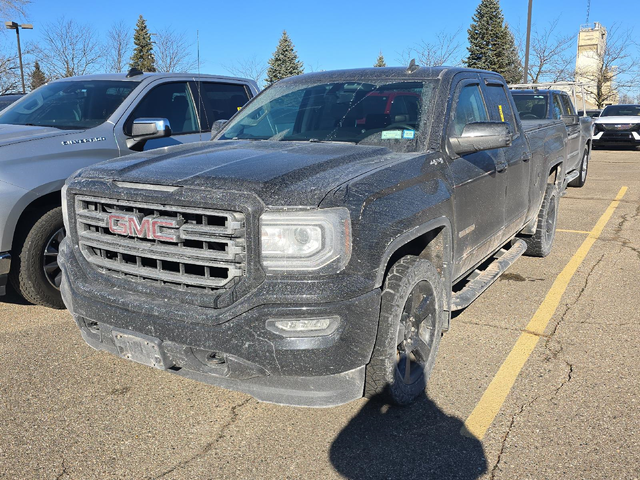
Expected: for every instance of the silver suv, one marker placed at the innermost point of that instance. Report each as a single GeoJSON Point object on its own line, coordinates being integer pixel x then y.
{"type": "Point", "coordinates": [74, 122]}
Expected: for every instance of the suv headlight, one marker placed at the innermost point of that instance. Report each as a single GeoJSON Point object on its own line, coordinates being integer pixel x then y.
{"type": "Point", "coordinates": [300, 241]}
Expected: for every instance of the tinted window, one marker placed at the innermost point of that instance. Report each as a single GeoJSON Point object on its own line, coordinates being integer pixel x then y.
{"type": "Point", "coordinates": [568, 106]}
{"type": "Point", "coordinates": [531, 106]}
{"type": "Point", "coordinates": [69, 104]}
{"type": "Point", "coordinates": [219, 101]}
{"type": "Point", "coordinates": [469, 109]}
{"type": "Point", "coordinates": [499, 105]}
{"type": "Point", "coordinates": [171, 101]}
{"type": "Point", "coordinates": [621, 110]}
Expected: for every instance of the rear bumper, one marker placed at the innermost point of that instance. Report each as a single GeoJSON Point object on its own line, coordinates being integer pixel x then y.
{"type": "Point", "coordinates": [5, 265]}
{"type": "Point", "coordinates": [240, 354]}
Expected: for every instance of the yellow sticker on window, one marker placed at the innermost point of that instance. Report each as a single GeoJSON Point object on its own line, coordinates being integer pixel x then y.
{"type": "Point", "coordinates": [501, 114]}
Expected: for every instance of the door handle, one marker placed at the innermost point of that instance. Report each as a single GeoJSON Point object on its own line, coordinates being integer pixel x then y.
{"type": "Point", "coordinates": [525, 157]}
{"type": "Point", "coordinates": [501, 167]}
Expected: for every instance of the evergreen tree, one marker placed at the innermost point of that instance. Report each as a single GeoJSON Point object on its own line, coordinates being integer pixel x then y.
{"type": "Point", "coordinates": [142, 57]}
{"type": "Point", "coordinates": [380, 62]}
{"type": "Point", "coordinates": [37, 76]}
{"type": "Point", "coordinates": [284, 62]}
{"type": "Point", "coordinates": [491, 44]}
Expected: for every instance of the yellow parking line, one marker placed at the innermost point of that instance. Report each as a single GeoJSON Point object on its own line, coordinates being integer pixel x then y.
{"type": "Point", "coordinates": [572, 231]}
{"type": "Point", "coordinates": [489, 405]}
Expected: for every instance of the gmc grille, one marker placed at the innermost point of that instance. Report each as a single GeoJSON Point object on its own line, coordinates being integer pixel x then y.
{"type": "Point", "coordinates": [208, 252]}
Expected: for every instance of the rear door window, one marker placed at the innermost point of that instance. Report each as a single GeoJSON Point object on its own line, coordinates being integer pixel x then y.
{"type": "Point", "coordinates": [219, 101]}
{"type": "Point", "coordinates": [568, 105]}
{"type": "Point", "coordinates": [499, 105]}
{"type": "Point", "coordinates": [556, 109]}
{"type": "Point", "coordinates": [172, 101]}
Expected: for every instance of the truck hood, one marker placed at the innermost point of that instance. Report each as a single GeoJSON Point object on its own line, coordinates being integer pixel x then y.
{"type": "Point", "coordinates": [10, 134]}
{"type": "Point", "coordinates": [621, 120]}
{"type": "Point", "coordinates": [280, 173]}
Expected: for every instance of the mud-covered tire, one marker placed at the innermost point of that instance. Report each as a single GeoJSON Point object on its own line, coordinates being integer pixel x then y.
{"type": "Point", "coordinates": [27, 270]}
{"type": "Point", "coordinates": [412, 285]}
{"type": "Point", "coordinates": [581, 179]}
{"type": "Point", "coordinates": [540, 244]}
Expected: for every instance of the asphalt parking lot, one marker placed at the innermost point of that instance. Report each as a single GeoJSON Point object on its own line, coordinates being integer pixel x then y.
{"type": "Point", "coordinates": [539, 378]}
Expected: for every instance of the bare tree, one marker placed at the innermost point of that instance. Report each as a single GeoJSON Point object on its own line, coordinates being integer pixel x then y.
{"type": "Point", "coordinates": [251, 68]}
{"type": "Point", "coordinates": [172, 52]}
{"type": "Point", "coordinates": [615, 70]}
{"type": "Point", "coordinates": [552, 56]}
{"type": "Point", "coordinates": [445, 49]}
{"type": "Point", "coordinates": [9, 74]}
{"type": "Point", "coordinates": [68, 48]}
{"type": "Point", "coordinates": [14, 7]}
{"type": "Point", "coordinates": [118, 48]}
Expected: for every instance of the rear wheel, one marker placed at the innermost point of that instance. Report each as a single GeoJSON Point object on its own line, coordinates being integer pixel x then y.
{"type": "Point", "coordinates": [35, 274]}
{"type": "Point", "coordinates": [409, 331]}
{"type": "Point", "coordinates": [539, 244]}
{"type": "Point", "coordinates": [584, 165]}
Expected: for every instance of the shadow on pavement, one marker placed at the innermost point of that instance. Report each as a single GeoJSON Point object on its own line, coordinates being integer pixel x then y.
{"type": "Point", "coordinates": [13, 298]}
{"type": "Point", "coordinates": [417, 441]}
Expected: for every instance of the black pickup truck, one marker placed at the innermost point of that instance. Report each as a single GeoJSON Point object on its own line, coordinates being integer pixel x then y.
{"type": "Point", "coordinates": [313, 253]}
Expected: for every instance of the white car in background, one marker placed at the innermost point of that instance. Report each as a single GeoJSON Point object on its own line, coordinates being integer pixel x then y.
{"type": "Point", "coordinates": [617, 125]}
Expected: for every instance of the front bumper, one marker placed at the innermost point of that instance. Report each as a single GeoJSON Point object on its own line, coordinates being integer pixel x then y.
{"type": "Point", "coordinates": [616, 138]}
{"type": "Point", "coordinates": [238, 354]}
{"type": "Point", "coordinates": [5, 265]}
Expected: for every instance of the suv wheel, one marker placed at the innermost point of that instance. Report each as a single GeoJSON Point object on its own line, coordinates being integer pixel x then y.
{"type": "Point", "coordinates": [36, 274]}
{"type": "Point", "coordinates": [409, 331]}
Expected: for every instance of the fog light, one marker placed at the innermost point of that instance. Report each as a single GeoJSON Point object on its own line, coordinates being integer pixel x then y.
{"type": "Point", "coordinates": [303, 327]}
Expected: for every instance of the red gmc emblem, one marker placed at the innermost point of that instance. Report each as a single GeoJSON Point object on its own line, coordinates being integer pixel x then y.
{"type": "Point", "coordinates": [153, 228]}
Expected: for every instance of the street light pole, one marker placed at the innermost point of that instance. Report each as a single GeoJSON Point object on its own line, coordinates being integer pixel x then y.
{"type": "Point", "coordinates": [17, 27]}
{"type": "Point", "coordinates": [526, 50]}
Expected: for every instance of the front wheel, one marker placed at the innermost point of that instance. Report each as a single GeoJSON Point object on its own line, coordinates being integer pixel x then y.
{"type": "Point", "coordinates": [409, 331]}
{"type": "Point", "coordinates": [36, 274]}
{"type": "Point", "coordinates": [539, 244]}
{"type": "Point", "coordinates": [581, 179]}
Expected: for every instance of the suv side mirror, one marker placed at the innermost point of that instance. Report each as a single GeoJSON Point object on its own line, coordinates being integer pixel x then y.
{"type": "Point", "coordinates": [216, 127]}
{"type": "Point", "coordinates": [570, 119]}
{"type": "Point", "coordinates": [144, 129]}
{"type": "Point", "coordinates": [482, 136]}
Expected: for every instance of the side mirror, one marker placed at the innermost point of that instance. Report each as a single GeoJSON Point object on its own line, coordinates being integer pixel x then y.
{"type": "Point", "coordinates": [144, 129]}
{"type": "Point", "coordinates": [570, 119]}
{"type": "Point", "coordinates": [216, 127]}
{"type": "Point", "coordinates": [482, 136]}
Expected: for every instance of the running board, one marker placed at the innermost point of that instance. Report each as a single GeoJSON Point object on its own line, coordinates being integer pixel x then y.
{"type": "Point", "coordinates": [480, 280]}
{"type": "Point", "coordinates": [572, 175]}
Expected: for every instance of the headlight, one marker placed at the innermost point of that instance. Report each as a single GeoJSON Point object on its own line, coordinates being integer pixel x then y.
{"type": "Point", "coordinates": [65, 212]}
{"type": "Point", "coordinates": [315, 240]}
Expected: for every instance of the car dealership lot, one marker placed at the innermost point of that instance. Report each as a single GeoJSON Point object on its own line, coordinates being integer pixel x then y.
{"type": "Point", "coordinates": [67, 411]}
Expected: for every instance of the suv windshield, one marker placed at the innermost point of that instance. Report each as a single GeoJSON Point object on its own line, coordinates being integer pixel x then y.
{"type": "Point", "coordinates": [69, 104]}
{"type": "Point", "coordinates": [621, 111]}
{"type": "Point", "coordinates": [369, 113]}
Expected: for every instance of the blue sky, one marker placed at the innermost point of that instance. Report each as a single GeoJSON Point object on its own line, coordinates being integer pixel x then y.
{"type": "Point", "coordinates": [327, 34]}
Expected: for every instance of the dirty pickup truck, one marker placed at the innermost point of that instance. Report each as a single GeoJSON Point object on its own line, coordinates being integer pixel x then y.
{"type": "Point", "coordinates": [539, 104]}
{"type": "Point", "coordinates": [74, 122]}
{"type": "Point", "coordinates": [314, 251]}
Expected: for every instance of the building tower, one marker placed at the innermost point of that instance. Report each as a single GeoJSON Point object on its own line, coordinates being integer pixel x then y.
{"type": "Point", "coordinates": [592, 42]}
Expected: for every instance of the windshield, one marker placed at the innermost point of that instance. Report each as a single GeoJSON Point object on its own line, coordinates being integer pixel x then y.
{"type": "Point", "coordinates": [69, 104]}
{"type": "Point", "coordinates": [621, 111]}
{"type": "Point", "coordinates": [368, 113]}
